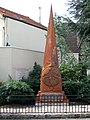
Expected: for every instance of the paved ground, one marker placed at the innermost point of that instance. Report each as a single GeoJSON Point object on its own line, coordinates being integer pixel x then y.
{"type": "Point", "coordinates": [61, 119]}
{"type": "Point", "coordinates": [64, 119]}
{"type": "Point", "coordinates": [51, 119]}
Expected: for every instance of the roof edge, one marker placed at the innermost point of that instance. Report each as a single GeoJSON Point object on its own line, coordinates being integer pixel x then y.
{"type": "Point", "coordinates": [21, 18]}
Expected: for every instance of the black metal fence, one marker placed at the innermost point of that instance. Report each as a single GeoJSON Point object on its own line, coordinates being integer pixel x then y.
{"type": "Point", "coordinates": [45, 104]}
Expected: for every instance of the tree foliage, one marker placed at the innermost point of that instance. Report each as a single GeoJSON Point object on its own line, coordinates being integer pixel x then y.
{"type": "Point", "coordinates": [61, 30]}
{"type": "Point", "coordinates": [11, 91]}
{"type": "Point", "coordinates": [34, 78]}
{"type": "Point", "coordinates": [75, 81]}
{"type": "Point", "coordinates": [80, 10]}
{"type": "Point", "coordinates": [76, 73]}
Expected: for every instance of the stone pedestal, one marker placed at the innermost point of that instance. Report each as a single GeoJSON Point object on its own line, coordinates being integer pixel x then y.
{"type": "Point", "coordinates": [51, 98]}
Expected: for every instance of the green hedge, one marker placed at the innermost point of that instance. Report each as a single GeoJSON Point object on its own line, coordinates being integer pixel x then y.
{"type": "Point", "coordinates": [14, 91]}
{"type": "Point", "coordinates": [33, 78]}
{"type": "Point", "coordinates": [75, 73]}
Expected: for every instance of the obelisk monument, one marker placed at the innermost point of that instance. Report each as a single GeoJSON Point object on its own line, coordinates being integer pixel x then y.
{"type": "Point", "coordinates": [51, 82]}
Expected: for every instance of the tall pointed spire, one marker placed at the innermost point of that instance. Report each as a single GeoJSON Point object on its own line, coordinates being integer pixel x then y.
{"type": "Point", "coordinates": [50, 55]}
{"type": "Point", "coordinates": [50, 77]}
{"type": "Point", "coordinates": [51, 83]}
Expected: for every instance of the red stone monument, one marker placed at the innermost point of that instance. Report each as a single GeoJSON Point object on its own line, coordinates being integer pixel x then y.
{"type": "Point", "coordinates": [51, 82]}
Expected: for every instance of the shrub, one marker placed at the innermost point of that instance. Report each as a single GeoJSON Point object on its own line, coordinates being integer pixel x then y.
{"type": "Point", "coordinates": [77, 91]}
{"type": "Point", "coordinates": [84, 93]}
{"type": "Point", "coordinates": [75, 81]}
{"type": "Point", "coordinates": [1, 83]}
{"type": "Point", "coordinates": [67, 73]}
{"type": "Point", "coordinates": [88, 79]}
{"type": "Point", "coordinates": [80, 72]}
{"type": "Point", "coordinates": [77, 73]}
{"type": "Point", "coordinates": [13, 90]}
{"type": "Point", "coordinates": [34, 78]}
{"type": "Point", "coordinates": [72, 87]}
{"type": "Point", "coordinates": [36, 72]}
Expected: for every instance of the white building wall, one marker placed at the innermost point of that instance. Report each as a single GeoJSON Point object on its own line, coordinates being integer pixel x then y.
{"type": "Point", "coordinates": [25, 36]}
{"type": "Point", "coordinates": [5, 63]}
{"type": "Point", "coordinates": [76, 55]}
{"type": "Point", "coordinates": [88, 71]}
{"type": "Point", "coordinates": [23, 61]}
{"type": "Point", "coordinates": [1, 31]}
{"type": "Point", "coordinates": [17, 62]}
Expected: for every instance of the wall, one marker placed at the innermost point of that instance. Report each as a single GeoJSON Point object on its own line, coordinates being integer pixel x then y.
{"type": "Point", "coordinates": [1, 31]}
{"type": "Point", "coordinates": [76, 55]}
{"type": "Point", "coordinates": [23, 61]}
{"type": "Point", "coordinates": [5, 63]}
{"type": "Point", "coordinates": [88, 72]}
{"type": "Point", "coordinates": [25, 36]}
{"type": "Point", "coordinates": [17, 62]}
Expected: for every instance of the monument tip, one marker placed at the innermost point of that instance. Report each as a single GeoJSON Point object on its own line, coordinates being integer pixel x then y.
{"type": "Point", "coordinates": [51, 13]}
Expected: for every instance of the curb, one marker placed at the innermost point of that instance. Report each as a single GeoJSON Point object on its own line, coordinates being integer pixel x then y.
{"type": "Point", "coordinates": [44, 115]}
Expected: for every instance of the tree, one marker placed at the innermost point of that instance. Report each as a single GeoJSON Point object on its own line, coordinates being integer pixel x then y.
{"type": "Point", "coordinates": [81, 12]}
{"type": "Point", "coordinates": [80, 9]}
{"type": "Point", "coordinates": [61, 30]}
{"type": "Point", "coordinates": [34, 78]}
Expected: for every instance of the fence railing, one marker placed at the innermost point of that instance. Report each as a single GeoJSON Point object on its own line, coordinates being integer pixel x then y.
{"type": "Point", "coordinates": [45, 104]}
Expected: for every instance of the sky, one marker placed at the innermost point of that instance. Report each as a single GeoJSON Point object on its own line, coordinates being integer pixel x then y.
{"type": "Point", "coordinates": [30, 8]}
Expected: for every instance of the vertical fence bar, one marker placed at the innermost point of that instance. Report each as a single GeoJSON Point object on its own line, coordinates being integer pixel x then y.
{"type": "Point", "coordinates": [78, 105]}
{"type": "Point", "coordinates": [66, 107]}
{"type": "Point", "coordinates": [87, 104]}
{"type": "Point", "coordinates": [57, 105]}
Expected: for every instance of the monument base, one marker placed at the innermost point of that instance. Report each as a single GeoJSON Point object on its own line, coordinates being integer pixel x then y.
{"type": "Point", "coordinates": [51, 98]}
